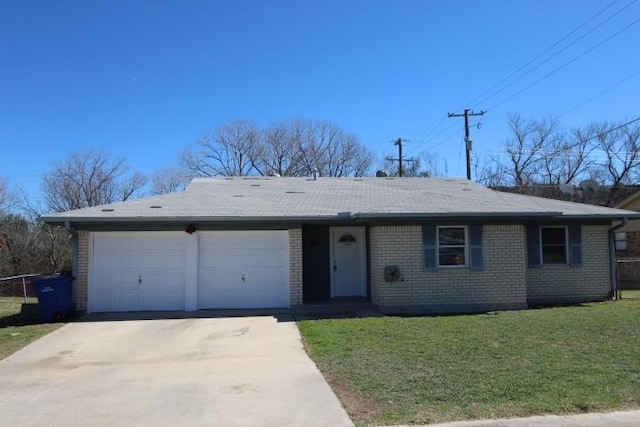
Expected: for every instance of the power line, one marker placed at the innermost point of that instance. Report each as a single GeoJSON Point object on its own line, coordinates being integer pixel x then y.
{"type": "Point", "coordinates": [467, 138]}
{"type": "Point", "coordinates": [571, 61]}
{"type": "Point", "coordinates": [602, 92]}
{"type": "Point", "coordinates": [451, 126]}
{"type": "Point", "coordinates": [485, 98]}
{"type": "Point", "coordinates": [433, 129]}
{"type": "Point", "coordinates": [488, 92]}
{"type": "Point", "coordinates": [598, 135]}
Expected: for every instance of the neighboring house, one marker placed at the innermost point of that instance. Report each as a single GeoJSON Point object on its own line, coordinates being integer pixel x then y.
{"type": "Point", "coordinates": [405, 244]}
{"type": "Point", "coordinates": [628, 236]}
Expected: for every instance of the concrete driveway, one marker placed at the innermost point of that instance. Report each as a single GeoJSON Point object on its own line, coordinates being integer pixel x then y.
{"type": "Point", "coordinates": [237, 371]}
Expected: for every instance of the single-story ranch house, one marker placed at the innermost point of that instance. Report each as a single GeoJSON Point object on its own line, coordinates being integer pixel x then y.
{"type": "Point", "coordinates": [405, 244]}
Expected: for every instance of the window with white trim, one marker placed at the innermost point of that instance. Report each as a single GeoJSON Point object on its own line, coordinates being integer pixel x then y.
{"type": "Point", "coordinates": [452, 246]}
{"type": "Point", "coordinates": [554, 244]}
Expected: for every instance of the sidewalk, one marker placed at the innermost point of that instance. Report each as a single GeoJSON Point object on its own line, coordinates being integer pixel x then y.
{"type": "Point", "coordinates": [612, 419]}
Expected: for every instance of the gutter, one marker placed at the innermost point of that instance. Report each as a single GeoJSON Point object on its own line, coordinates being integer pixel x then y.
{"type": "Point", "coordinates": [612, 258]}
{"type": "Point", "coordinates": [341, 216]}
{"type": "Point", "coordinates": [457, 215]}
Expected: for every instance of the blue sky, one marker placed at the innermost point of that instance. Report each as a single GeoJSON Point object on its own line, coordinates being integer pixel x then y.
{"type": "Point", "coordinates": [144, 79]}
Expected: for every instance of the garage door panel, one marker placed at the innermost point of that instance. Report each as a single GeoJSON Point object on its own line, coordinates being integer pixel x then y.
{"type": "Point", "coordinates": [135, 271]}
{"type": "Point", "coordinates": [274, 258]}
{"type": "Point", "coordinates": [105, 300]}
{"type": "Point", "coordinates": [163, 260]}
{"type": "Point", "coordinates": [129, 300]}
{"type": "Point", "coordinates": [211, 259]}
{"type": "Point", "coordinates": [269, 277]}
{"type": "Point", "coordinates": [258, 256]}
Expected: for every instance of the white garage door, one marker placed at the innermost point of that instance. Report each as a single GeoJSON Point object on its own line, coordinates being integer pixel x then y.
{"type": "Point", "coordinates": [138, 271]}
{"type": "Point", "coordinates": [243, 269]}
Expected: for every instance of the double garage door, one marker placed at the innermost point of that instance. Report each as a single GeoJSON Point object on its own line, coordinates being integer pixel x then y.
{"type": "Point", "coordinates": [143, 271]}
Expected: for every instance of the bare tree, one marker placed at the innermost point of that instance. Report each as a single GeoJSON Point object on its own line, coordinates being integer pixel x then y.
{"type": "Point", "coordinates": [294, 147]}
{"type": "Point", "coordinates": [31, 247]}
{"type": "Point", "coordinates": [278, 153]}
{"type": "Point", "coordinates": [490, 172]}
{"type": "Point", "coordinates": [327, 148]}
{"type": "Point", "coordinates": [89, 178]}
{"type": "Point", "coordinates": [569, 158]}
{"type": "Point", "coordinates": [618, 155]}
{"type": "Point", "coordinates": [540, 157]}
{"type": "Point", "coordinates": [527, 148]}
{"type": "Point", "coordinates": [169, 180]}
{"type": "Point", "coordinates": [7, 196]}
{"type": "Point", "coordinates": [426, 165]}
{"type": "Point", "coordinates": [230, 151]}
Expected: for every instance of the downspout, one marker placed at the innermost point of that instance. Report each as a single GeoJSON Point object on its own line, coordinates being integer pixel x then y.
{"type": "Point", "coordinates": [612, 258]}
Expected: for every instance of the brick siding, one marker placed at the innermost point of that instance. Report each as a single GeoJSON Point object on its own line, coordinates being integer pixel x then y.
{"type": "Point", "coordinates": [553, 284]}
{"type": "Point", "coordinates": [500, 285]}
{"type": "Point", "coordinates": [82, 274]}
{"type": "Point", "coordinates": [295, 266]}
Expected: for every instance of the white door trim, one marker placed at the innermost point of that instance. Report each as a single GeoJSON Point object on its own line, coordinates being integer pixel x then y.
{"type": "Point", "coordinates": [362, 257]}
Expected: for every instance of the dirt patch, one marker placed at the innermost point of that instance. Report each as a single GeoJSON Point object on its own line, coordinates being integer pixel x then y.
{"type": "Point", "coordinates": [362, 409]}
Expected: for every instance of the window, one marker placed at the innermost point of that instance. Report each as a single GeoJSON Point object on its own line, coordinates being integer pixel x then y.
{"type": "Point", "coordinates": [347, 238]}
{"type": "Point", "coordinates": [452, 246]}
{"type": "Point", "coordinates": [553, 243]}
{"type": "Point", "coordinates": [621, 241]}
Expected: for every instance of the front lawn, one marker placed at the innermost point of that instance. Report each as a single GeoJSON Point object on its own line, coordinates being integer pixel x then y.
{"type": "Point", "coordinates": [413, 370]}
{"type": "Point", "coordinates": [13, 338]}
{"type": "Point", "coordinates": [14, 332]}
{"type": "Point", "coordinates": [626, 294]}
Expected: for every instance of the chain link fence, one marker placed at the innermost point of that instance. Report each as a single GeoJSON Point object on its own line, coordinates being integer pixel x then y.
{"type": "Point", "coordinates": [628, 278]}
{"type": "Point", "coordinates": [14, 292]}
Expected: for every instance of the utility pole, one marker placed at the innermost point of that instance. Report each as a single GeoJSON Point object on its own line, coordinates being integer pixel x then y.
{"type": "Point", "coordinates": [467, 139]}
{"type": "Point", "coordinates": [400, 159]}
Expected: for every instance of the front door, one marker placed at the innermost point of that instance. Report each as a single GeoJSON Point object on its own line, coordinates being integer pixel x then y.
{"type": "Point", "coordinates": [349, 267]}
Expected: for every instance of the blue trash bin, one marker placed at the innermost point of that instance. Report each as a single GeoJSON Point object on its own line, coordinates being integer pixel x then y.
{"type": "Point", "coordinates": [55, 297]}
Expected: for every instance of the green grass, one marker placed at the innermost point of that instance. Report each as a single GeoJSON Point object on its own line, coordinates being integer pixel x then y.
{"type": "Point", "coordinates": [14, 332]}
{"type": "Point", "coordinates": [635, 294]}
{"type": "Point", "coordinates": [13, 338]}
{"type": "Point", "coordinates": [412, 370]}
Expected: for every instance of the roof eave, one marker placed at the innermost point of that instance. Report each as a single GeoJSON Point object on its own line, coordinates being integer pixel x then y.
{"type": "Point", "coordinates": [339, 217]}
{"type": "Point", "coordinates": [610, 217]}
{"type": "Point", "coordinates": [457, 215]}
{"type": "Point", "coordinates": [190, 219]}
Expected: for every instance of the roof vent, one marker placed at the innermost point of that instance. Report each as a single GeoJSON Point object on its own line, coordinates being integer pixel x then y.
{"type": "Point", "coordinates": [155, 206]}
{"type": "Point", "coordinates": [108, 210]}
{"type": "Point", "coordinates": [382, 174]}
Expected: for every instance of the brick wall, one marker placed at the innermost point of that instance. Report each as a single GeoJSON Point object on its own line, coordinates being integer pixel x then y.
{"type": "Point", "coordinates": [295, 266]}
{"type": "Point", "coordinates": [567, 284]}
{"type": "Point", "coordinates": [82, 274]}
{"type": "Point", "coordinates": [501, 285]}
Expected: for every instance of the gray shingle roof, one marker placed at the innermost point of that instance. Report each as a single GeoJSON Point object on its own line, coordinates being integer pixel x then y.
{"type": "Point", "coordinates": [238, 199]}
